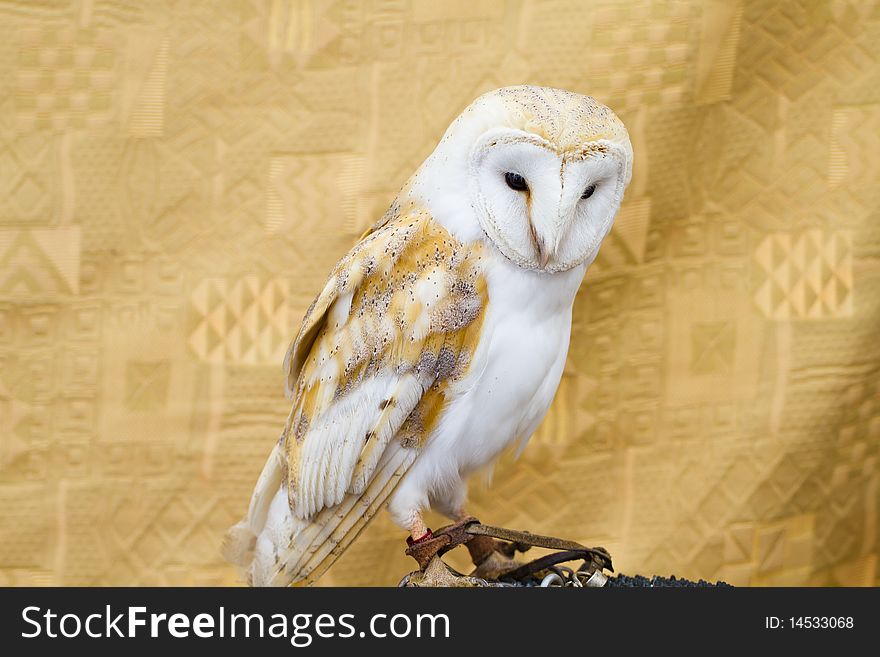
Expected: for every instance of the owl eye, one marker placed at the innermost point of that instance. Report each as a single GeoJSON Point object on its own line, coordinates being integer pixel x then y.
{"type": "Point", "coordinates": [516, 181]}
{"type": "Point", "coordinates": [588, 192]}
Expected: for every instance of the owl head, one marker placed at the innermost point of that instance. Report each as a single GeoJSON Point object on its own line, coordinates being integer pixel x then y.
{"type": "Point", "coordinates": [543, 171]}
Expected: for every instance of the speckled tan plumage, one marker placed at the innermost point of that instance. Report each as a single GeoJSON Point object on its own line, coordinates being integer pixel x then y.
{"type": "Point", "coordinates": [406, 300]}
{"type": "Point", "coordinates": [569, 123]}
{"type": "Point", "coordinates": [406, 303]}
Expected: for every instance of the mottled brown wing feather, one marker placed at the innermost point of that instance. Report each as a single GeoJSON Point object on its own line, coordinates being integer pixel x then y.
{"type": "Point", "coordinates": [396, 322]}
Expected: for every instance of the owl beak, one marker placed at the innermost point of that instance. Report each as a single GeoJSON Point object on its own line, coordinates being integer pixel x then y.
{"type": "Point", "coordinates": [543, 254]}
{"type": "Point", "coordinates": [540, 248]}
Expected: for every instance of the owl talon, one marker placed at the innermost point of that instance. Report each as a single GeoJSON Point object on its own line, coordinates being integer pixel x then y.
{"type": "Point", "coordinates": [437, 574]}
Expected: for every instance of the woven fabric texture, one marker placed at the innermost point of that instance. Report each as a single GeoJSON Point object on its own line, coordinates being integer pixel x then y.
{"type": "Point", "coordinates": [177, 178]}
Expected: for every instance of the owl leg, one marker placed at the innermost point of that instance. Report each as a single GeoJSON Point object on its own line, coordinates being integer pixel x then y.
{"type": "Point", "coordinates": [451, 503]}
{"type": "Point", "coordinates": [433, 572]}
{"type": "Point", "coordinates": [418, 530]}
{"type": "Point", "coordinates": [406, 507]}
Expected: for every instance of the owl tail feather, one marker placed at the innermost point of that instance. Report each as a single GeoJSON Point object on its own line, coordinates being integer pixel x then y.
{"type": "Point", "coordinates": [238, 544]}
{"type": "Point", "coordinates": [241, 539]}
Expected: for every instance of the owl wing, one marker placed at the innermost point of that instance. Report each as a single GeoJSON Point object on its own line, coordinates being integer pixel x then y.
{"type": "Point", "coordinates": [315, 315]}
{"type": "Point", "coordinates": [369, 376]}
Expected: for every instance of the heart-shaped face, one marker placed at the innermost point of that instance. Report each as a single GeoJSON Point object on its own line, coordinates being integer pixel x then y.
{"type": "Point", "coordinates": [540, 172]}
{"type": "Point", "coordinates": [543, 209]}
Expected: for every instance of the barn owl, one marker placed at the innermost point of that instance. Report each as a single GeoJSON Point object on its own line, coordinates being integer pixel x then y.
{"type": "Point", "coordinates": [439, 340]}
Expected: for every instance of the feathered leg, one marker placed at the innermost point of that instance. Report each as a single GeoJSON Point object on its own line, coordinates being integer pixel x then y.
{"type": "Point", "coordinates": [418, 530]}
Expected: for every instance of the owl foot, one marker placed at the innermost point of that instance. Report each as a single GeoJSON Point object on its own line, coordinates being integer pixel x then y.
{"type": "Point", "coordinates": [495, 566]}
{"type": "Point", "coordinates": [438, 574]}
{"type": "Point", "coordinates": [492, 558]}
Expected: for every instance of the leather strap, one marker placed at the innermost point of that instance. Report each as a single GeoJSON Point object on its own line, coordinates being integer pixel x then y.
{"type": "Point", "coordinates": [476, 537]}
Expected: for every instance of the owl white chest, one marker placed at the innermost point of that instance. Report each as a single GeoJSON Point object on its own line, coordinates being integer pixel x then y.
{"type": "Point", "coordinates": [517, 367]}
{"type": "Point", "coordinates": [511, 381]}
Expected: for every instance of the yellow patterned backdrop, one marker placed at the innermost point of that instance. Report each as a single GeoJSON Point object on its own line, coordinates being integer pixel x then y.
{"type": "Point", "coordinates": [176, 179]}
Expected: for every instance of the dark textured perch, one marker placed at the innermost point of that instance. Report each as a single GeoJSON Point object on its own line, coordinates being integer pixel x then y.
{"type": "Point", "coordinates": [483, 540]}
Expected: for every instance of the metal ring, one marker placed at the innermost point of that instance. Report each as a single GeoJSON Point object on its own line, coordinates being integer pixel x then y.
{"type": "Point", "coordinates": [568, 572]}
{"type": "Point", "coordinates": [548, 580]}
